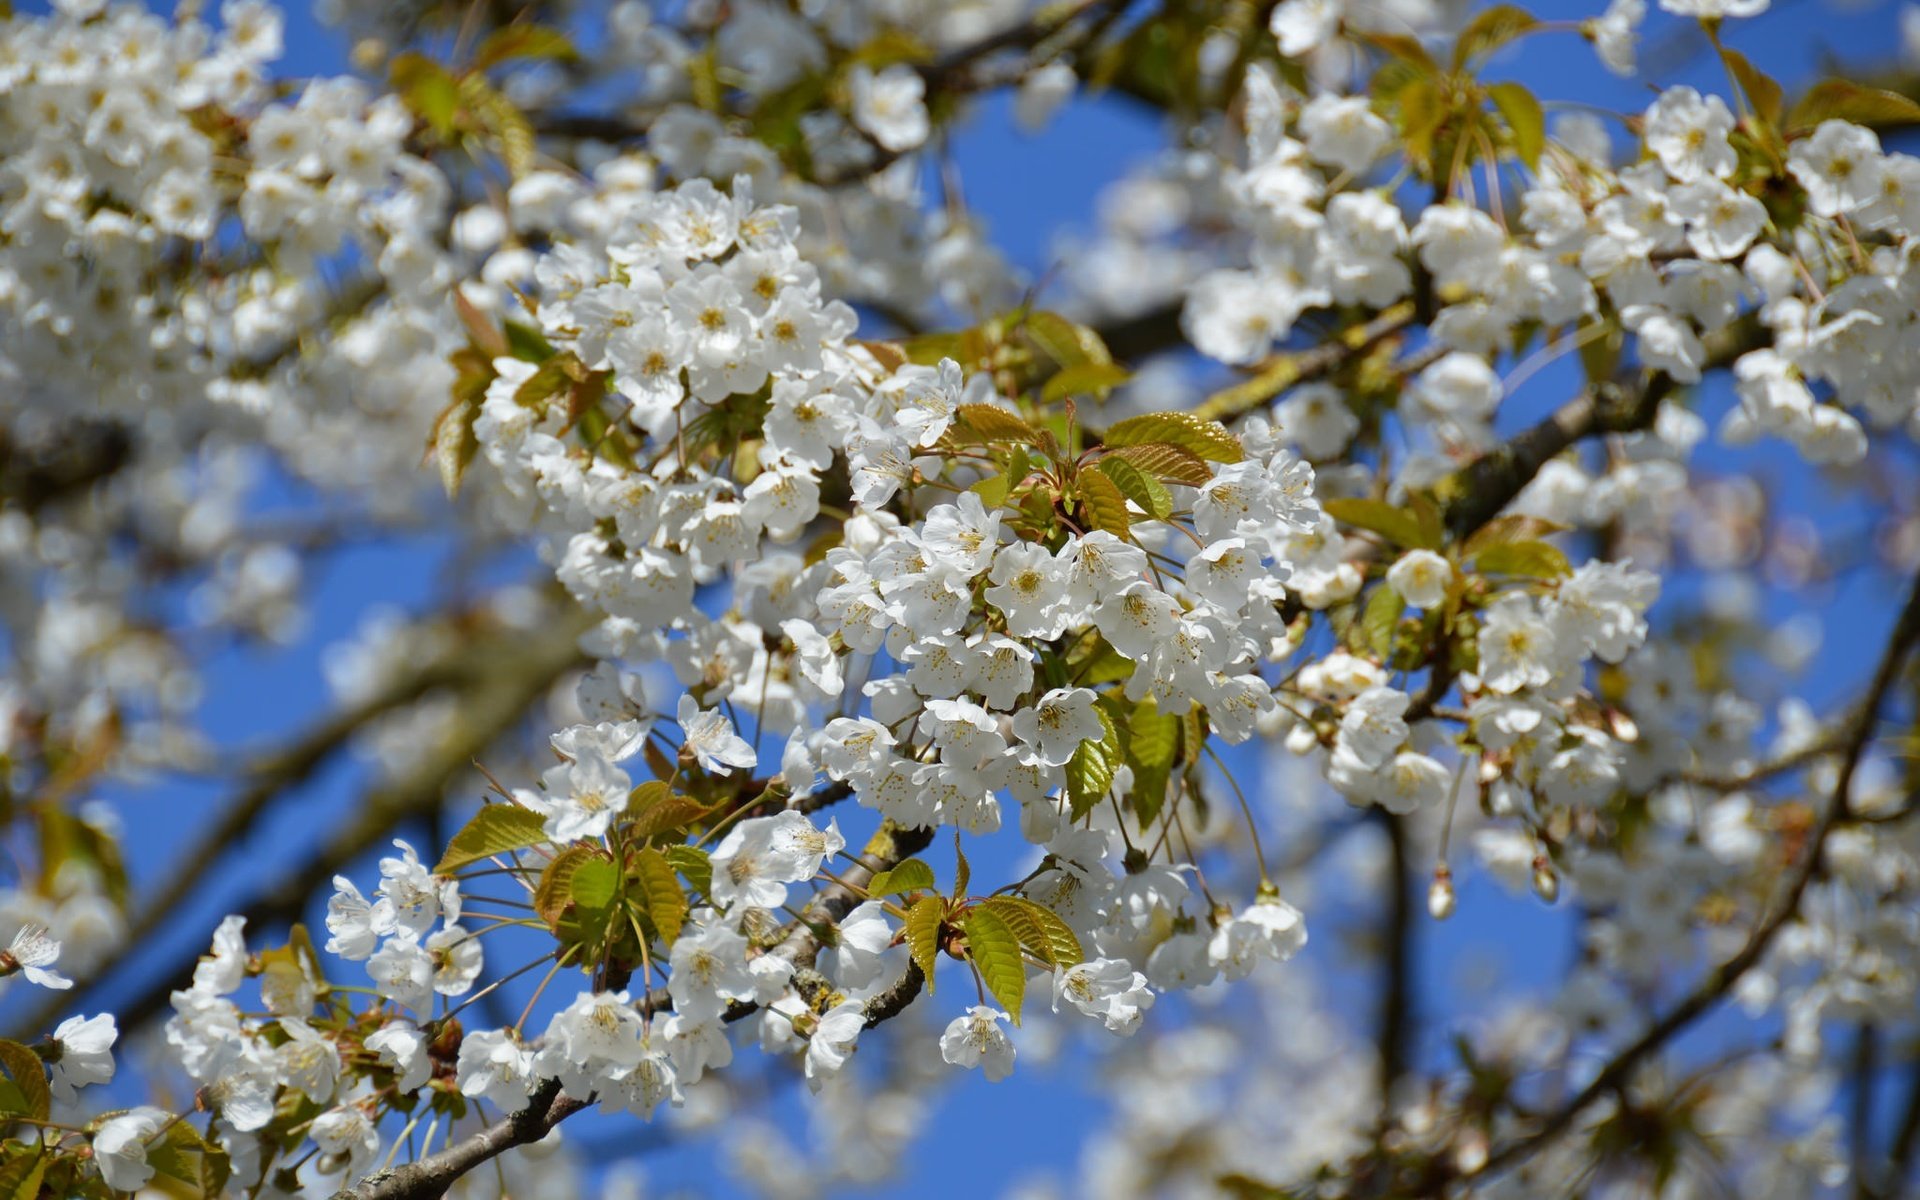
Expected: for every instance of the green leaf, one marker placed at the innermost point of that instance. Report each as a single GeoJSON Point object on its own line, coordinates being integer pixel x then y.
{"type": "Point", "coordinates": [910, 876]}
{"type": "Point", "coordinates": [1397, 525]}
{"type": "Point", "coordinates": [1401, 46]}
{"type": "Point", "coordinates": [1066, 342]}
{"type": "Point", "coordinates": [555, 888]}
{"type": "Point", "coordinates": [24, 1175]}
{"type": "Point", "coordinates": [183, 1155]}
{"type": "Point", "coordinates": [653, 808]}
{"type": "Point", "coordinates": [29, 1080]}
{"type": "Point", "coordinates": [1084, 379]}
{"type": "Point", "coordinates": [962, 869]}
{"type": "Point", "coordinates": [1167, 463]}
{"type": "Point", "coordinates": [995, 950]}
{"type": "Point", "coordinates": [454, 443]}
{"type": "Point", "coordinates": [526, 343]}
{"type": "Point", "coordinates": [922, 930]}
{"type": "Point", "coordinates": [659, 894]}
{"type": "Point", "coordinates": [523, 42]}
{"type": "Point", "coordinates": [1040, 930]}
{"type": "Point", "coordinates": [595, 882]}
{"type": "Point", "coordinates": [1510, 528]}
{"type": "Point", "coordinates": [430, 93]}
{"type": "Point", "coordinates": [1534, 560]}
{"type": "Point", "coordinates": [1207, 439]}
{"type": "Point", "coordinates": [693, 864]}
{"type": "Point", "coordinates": [1525, 119]}
{"type": "Point", "coordinates": [1381, 620]}
{"type": "Point", "coordinates": [1153, 743]}
{"type": "Point", "coordinates": [1090, 770]}
{"type": "Point", "coordinates": [1842, 100]}
{"type": "Point", "coordinates": [1763, 93]}
{"type": "Point", "coordinates": [991, 423]}
{"type": "Point", "coordinates": [1103, 504]}
{"type": "Point", "coordinates": [1490, 30]}
{"type": "Point", "coordinates": [1138, 486]}
{"type": "Point", "coordinates": [495, 829]}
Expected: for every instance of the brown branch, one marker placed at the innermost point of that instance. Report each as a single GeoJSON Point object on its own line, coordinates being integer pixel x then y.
{"type": "Point", "coordinates": [1710, 991]}
{"type": "Point", "coordinates": [273, 777]}
{"type": "Point", "coordinates": [432, 1176]}
{"type": "Point", "coordinates": [1286, 370]}
{"type": "Point", "coordinates": [512, 669]}
{"type": "Point", "coordinates": [1396, 1006]}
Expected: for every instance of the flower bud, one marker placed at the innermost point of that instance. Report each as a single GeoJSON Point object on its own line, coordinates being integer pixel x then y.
{"type": "Point", "coordinates": [1440, 896]}
{"type": "Point", "coordinates": [1546, 884]}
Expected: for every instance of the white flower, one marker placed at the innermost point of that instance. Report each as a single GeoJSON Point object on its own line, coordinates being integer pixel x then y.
{"type": "Point", "coordinates": [833, 1041]}
{"type": "Point", "coordinates": [976, 1040]}
{"type": "Point", "coordinates": [120, 1147]}
{"type": "Point", "coordinates": [1042, 93]}
{"type": "Point", "coordinates": [221, 972]}
{"type": "Point", "coordinates": [1372, 728]}
{"type": "Point", "coordinates": [1688, 133]}
{"type": "Point", "coordinates": [494, 1066]}
{"type": "Point", "coordinates": [890, 107]}
{"type": "Point", "coordinates": [581, 800]}
{"type": "Point", "coordinates": [82, 1055]}
{"type": "Point", "coordinates": [404, 1048]}
{"type": "Point", "coordinates": [1517, 647]}
{"type": "Point", "coordinates": [1304, 25]}
{"type": "Point", "coordinates": [1269, 928]}
{"type": "Point", "coordinates": [1344, 131]}
{"type": "Point", "coordinates": [347, 1135]}
{"type": "Point", "coordinates": [1839, 166]}
{"type": "Point", "coordinates": [1106, 988]}
{"type": "Point", "coordinates": [33, 953]}
{"type": "Point", "coordinates": [709, 970]}
{"type": "Point", "coordinates": [1421, 577]}
{"type": "Point", "coordinates": [1059, 722]}
{"type": "Point", "coordinates": [711, 739]}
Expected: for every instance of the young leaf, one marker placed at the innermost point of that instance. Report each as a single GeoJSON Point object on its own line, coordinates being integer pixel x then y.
{"type": "Point", "coordinates": [430, 93]}
{"type": "Point", "coordinates": [1762, 92]}
{"type": "Point", "coordinates": [910, 876]}
{"type": "Point", "coordinates": [995, 950]}
{"type": "Point", "coordinates": [691, 862]}
{"type": "Point", "coordinates": [1397, 525]}
{"type": "Point", "coordinates": [1525, 119]}
{"type": "Point", "coordinates": [1207, 439]}
{"type": "Point", "coordinates": [1842, 100]}
{"type": "Point", "coordinates": [1167, 463]}
{"type": "Point", "coordinates": [1090, 770]}
{"type": "Point", "coordinates": [1535, 560]}
{"type": "Point", "coordinates": [962, 869]}
{"type": "Point", "coordinates": [29, 1080]}
{"type": "Point", "coordinates": [1084, 379]}
{"type": "Point", "coordinates": [1103, 504]}
{"type": "Point", "coordinates": [1381, 620]}
{"type": "Point", "coordinates": [181, 1154]}
{"type": "Point", "coordinates": [495, 829]}
{"type": "Point", "coordinates": [654, 809]}
{"type": "Point", "coordinates": [1039, 928]}
{"type": "Point", "coordinates": [523, 42]}
{"type": "Point", "coordinates": [1065, 342]}
{"type": "Point", "coordinates": [991, 423]}
{"type": "Point", "coordinates": [1138, 486]}
{"type": "Point", "coordinates": [1510, 528]}
{"type": "Point", "coordinates": [666, 905]}
{"type": "Point", "coordinates": [922, 931]}
{"type": "Point", "coordinates": [555, 888]}
{"type": "Point", "coordinates": [1490, 30]}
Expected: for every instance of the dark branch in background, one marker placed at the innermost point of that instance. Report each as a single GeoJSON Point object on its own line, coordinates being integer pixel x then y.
{"type": "Point", "coordinates": [510, 671]}
{"type": "Point", "coordinates": [1862, 1077]}
{"type": "Point", "coordinates": [1396, 1004]}
{"type": "Point", "coordinates": [1475, 494]}
{"type": "Point", "coordinates": [432, 1176]}
{"type": "Point", "coordinates": [275, 775]}
{"type": "Point", "coordinates": [1710, 991]}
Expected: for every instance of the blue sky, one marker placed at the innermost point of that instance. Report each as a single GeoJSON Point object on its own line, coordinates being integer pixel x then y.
{"type": "Point", "coordinates": [1028, 190]}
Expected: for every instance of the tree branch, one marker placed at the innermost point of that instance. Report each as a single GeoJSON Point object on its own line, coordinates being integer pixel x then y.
{"type": "Point", "coordinates": [1714, 988]}
{"type": "Point", "coordinates": [431, 1177]}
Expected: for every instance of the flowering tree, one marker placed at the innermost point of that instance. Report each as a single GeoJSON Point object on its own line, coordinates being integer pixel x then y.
{"type": "Point", "coordinates": [1234, 577]}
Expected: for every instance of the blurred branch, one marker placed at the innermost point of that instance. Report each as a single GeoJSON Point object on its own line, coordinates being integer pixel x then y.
{"type": "Point", "coordinates": [1710, 991]}
{"type": "Point", "coordinates": [432, 1176]}
{"type": "Point", "coordinates": [1396, 1004]}
{"type": "Point", "coordinates": [500, 677]}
